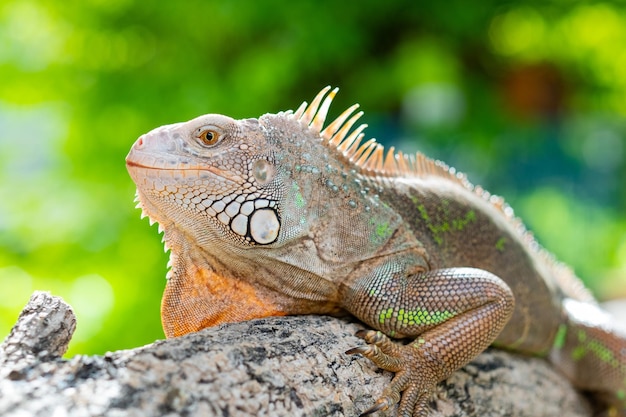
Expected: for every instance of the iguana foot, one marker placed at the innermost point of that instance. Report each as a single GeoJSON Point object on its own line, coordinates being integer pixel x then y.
{"type": "Point", "coordinates": [417, 372]}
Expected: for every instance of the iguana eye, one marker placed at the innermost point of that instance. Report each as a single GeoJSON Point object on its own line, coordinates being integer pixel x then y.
{"type": "Point", "coordinates": [209, 137]}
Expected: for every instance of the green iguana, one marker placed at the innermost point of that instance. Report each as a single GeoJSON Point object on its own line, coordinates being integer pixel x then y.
{"type": "Point", "coordinates": [282, 215]}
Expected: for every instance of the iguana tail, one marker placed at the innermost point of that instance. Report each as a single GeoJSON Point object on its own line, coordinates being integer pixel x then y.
{"type": "Point", "coordinates": [590, 349]}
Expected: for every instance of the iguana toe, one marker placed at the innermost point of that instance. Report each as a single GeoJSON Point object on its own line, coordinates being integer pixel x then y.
{"type": "Point", "coordinates": [380, 350]}
{"type": "Point", "coordinates": [381, 404]}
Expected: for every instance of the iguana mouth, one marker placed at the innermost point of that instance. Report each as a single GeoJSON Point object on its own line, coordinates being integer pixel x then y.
{"type": "Point", "coordinates": [136, 161]}
{"type": "Point", "coordinates": [185, 171]}
{"type": "Point", "coordinates": [134, 164]}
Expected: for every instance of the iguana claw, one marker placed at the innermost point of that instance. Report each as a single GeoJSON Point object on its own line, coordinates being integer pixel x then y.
{"type": "Point", "coordinates": [381, 405]}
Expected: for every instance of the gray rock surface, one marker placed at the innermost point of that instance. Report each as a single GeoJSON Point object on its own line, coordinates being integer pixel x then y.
{"type": "Point", "coordinates": [282, 366]}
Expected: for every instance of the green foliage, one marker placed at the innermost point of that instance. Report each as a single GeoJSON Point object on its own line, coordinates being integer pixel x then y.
{"type": "Point", "coordinates": [526, 97]}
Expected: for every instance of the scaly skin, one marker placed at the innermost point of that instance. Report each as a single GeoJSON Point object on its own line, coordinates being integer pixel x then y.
{"type": "Point", "coordinates": [281, 215]}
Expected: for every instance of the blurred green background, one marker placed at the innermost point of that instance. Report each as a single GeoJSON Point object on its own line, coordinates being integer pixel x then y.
{"type": "Point", "coordinates": [527, 97]}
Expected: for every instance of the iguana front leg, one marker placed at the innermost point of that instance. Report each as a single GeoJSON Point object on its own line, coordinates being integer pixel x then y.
{"type": "Point", "coordinates": [454, 314]}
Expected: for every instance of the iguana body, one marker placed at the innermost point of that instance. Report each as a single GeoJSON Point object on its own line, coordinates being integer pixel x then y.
{"type": "Point", "coordinates": [282, 215]}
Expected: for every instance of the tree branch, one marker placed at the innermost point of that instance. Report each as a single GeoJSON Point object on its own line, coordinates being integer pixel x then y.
{"type": "Point", "coordinates": [281, 366]}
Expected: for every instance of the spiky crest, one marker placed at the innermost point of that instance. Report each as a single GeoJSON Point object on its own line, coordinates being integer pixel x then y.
{"type": "Point", "coordinates": [369, 159]}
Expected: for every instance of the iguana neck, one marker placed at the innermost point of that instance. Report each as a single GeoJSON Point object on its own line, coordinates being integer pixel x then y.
{"type": "Point", "coordinates": [201, 292]}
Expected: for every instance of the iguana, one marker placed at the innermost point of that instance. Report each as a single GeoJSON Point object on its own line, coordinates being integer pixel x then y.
{"type": "Point", "coordinates": [283, 215]}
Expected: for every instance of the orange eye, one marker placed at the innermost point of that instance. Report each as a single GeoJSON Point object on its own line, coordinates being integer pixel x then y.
{"type": "Point", "coordinates": [209, 137]}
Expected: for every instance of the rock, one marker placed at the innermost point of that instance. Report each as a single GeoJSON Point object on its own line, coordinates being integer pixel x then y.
{"type": "Point", "coordinates": [280, 366]}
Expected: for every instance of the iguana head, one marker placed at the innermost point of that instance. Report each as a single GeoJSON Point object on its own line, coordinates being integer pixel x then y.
{"type": "Point", "coordinates": [233, 180]}
{"type": "Point", "coordinates": [213, 174]}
